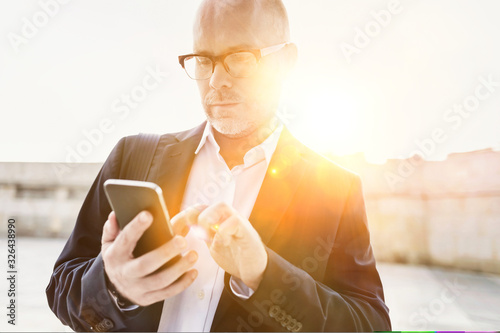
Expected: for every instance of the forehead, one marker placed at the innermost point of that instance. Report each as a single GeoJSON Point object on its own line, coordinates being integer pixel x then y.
{"type": "Point", "coordinates": [223, 27]}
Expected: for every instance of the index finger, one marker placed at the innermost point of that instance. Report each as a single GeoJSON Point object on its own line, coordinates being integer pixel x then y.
{"type": "Point", "coordinates": [215, 215]}
{"type": "Point", "coordinates": [186, 218]}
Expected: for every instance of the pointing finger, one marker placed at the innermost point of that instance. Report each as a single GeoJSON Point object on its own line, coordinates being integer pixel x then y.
{"type": "Point", "coordinates": [188, 217]}
{"type": "Point", "coordinates": [214, 215]}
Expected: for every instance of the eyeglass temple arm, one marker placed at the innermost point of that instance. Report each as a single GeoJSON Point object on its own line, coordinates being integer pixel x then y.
{"type": "Point", "coordinates": [272, 49]}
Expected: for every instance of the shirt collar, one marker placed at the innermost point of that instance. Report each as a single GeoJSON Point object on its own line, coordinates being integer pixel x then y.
{"type": "Point", "coordinates": [264, 150]}
{"type": "Point", "coordinates": [207, 132]}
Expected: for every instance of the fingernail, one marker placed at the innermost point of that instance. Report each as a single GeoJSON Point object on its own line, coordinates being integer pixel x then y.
{"type": "Point", "coordinates": [193, 257]}
{"type": "Point", "coordinates": [200, 207]}
{"type": "Point", "coordinates": [180, 242]}
{"type": "Point", "coordinates": [143, 217]}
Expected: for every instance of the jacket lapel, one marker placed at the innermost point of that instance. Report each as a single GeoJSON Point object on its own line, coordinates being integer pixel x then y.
{"type": "Point", "coordinates": [283, 176]}
{"type": "Point", "coordinates": [176, 161]}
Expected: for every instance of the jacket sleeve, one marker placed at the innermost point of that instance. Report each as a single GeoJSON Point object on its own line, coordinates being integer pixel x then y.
{"type": "Point", "coordinates": [77, 291]}
{"type": "Point", "coordinates": [349, 297]}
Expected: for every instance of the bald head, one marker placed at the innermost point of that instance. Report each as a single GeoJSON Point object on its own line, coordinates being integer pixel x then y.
{"type": "Point", "coordinates": [242, 107]}
{"type": "Point", "coordinates": [259, 22]}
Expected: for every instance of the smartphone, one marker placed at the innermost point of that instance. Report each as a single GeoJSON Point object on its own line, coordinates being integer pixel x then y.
{"type": "Point", "coordinates": [128, 198]}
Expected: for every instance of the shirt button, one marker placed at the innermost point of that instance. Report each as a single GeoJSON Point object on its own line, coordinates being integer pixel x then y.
{"type": "Point", "coordinates": [201, 294]}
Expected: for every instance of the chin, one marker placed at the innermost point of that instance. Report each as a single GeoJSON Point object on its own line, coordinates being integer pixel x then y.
{"type": "Point", "coordinates": [233, 128]}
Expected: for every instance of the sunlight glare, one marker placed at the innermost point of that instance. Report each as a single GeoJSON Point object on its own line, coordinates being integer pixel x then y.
{"type": "Point", "coordinates": [329, 122]}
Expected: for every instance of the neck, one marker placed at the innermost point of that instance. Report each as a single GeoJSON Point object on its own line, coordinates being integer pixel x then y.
{"type": "Point", "coordinates": [233, 149]}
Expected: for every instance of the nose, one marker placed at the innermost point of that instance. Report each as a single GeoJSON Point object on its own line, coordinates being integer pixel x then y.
{"type": "Point", "coordinates": [220, 77]}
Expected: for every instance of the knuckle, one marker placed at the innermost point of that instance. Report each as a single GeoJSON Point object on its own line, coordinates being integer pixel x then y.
{"type": "Point", "coordinates": [109, 256]}
{"type": "Point", "coordinates": [170, 292]}
{"type": "Point", "coordinates": [125, 237]}
{"type": "Point", "coordinates": [129, 270]}
{"type": "Point", "coordinates": [167, 249]}
{"type": "Point", "coordinates": [156, 281]}
{"type": "Point", "coordinates": [221, 205]}
{"type": "Point", "coordinates": [167, 278]}
{"type": "Point", "coordinates": [138, 267]}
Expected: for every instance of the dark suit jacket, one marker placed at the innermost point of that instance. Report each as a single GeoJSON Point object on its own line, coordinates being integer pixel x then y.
{"type": "Point", "coordinates": [310, 214]}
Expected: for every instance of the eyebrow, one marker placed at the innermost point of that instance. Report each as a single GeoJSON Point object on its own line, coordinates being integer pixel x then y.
{"type": "Point", "coordinates": [239, 47]}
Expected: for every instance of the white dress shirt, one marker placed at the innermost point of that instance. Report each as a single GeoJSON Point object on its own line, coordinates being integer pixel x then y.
{"type": "Point", "coordinates": [210, 181]}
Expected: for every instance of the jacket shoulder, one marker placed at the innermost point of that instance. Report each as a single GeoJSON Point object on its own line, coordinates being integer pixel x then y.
{"type": "Point", "coordinates": [320, 164]}
{"type": "Point", "coordinates": [166, 138]}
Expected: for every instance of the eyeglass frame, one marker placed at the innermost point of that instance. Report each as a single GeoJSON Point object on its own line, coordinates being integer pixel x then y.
{"type": "Point", "coordinates": [258, 53]}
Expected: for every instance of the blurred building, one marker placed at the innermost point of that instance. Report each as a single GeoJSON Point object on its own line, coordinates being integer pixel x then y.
{"type": "Point", "coordinates": [439, 213]}
{"type": "Point", "coordinates": [443, 213]}
{"type": "Point", "coordinates": [44, 198]}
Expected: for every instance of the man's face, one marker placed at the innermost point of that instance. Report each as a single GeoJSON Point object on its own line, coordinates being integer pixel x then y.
{"type": "Point", "coordinates": [237, 107]}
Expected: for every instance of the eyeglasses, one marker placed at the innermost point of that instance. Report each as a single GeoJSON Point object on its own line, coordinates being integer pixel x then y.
{"type": "Point", "coordinates": [238, 64]}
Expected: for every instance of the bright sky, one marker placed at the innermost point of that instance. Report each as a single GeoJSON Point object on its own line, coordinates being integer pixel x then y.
{"type": "Point", "coordinates": [387, 89]}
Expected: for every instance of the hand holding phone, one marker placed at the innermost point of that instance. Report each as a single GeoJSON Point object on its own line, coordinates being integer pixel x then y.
{"type": "Point", "coordinates": [145, 279]}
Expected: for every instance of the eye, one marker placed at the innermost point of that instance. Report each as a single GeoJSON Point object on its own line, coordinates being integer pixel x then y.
{"type": "Point", "coordinates": [203, 61]}
{"type": "Point", "coordinates": [242, 57]}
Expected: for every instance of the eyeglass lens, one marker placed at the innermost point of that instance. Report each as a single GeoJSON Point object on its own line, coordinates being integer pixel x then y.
{"type": "Point", "coordinates": [241, 64]}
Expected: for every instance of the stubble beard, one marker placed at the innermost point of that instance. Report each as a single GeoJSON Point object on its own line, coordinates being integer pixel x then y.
{"type": "Point", "coordinates": [230, 126]}
{"type": "Point", "coordinates": [227, 123]}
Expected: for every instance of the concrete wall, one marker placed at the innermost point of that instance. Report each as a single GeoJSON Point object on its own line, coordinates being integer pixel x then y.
{"type": "Point", "coordinates": [440, 213]}
{"type": "Point", "coordinates": [443, 213]}
{"type": "Point", "coordinates": [43, 200]}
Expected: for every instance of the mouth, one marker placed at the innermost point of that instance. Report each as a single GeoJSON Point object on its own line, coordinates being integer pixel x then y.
{"type": "Point", "coordinates": [224, 104]}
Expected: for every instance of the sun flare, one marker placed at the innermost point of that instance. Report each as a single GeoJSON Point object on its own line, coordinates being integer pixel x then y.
{"type": "Point", "coordinates": [329, 122]}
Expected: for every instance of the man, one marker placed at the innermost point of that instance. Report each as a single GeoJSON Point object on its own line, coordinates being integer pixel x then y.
{"type": "Point", "coordinates": [284, 242]}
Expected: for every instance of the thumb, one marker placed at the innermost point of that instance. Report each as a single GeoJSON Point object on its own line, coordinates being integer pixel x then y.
{"type": "Point", "coordinates": [230, 230]}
